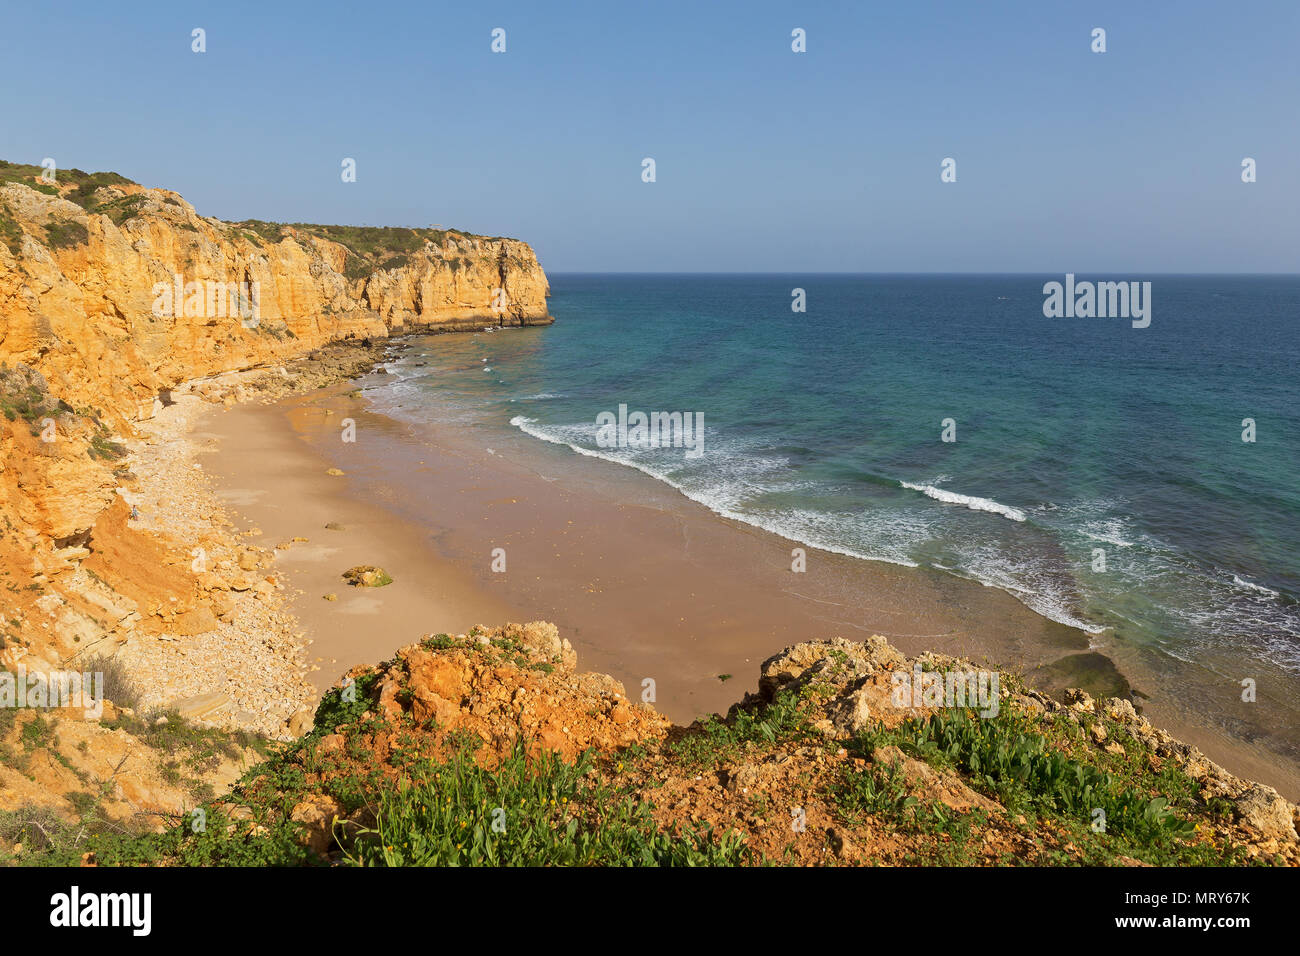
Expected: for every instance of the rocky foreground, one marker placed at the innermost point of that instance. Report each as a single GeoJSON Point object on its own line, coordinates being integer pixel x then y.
{"type": "Point", "coordinates": [491, 747]}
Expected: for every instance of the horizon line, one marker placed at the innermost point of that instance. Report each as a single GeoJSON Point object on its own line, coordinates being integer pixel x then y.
{"type": "Point", "coordinates": [669, 272]}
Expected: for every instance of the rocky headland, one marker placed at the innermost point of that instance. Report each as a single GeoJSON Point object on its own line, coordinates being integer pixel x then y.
{"type": "Point", "coordinates": [94, 347]}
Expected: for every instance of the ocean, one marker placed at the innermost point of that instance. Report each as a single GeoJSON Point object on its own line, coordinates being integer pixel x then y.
{"type": "Point", "coordinates": [1097, 471]}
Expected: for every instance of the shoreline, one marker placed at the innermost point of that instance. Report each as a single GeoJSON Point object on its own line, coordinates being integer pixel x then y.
{"type": "Point", "coordinates": [659, 588]}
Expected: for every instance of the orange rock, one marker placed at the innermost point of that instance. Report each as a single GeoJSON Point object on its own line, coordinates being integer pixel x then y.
{"type": "Point", "coordinates": [317, 813]}
{"type": "Point", "coordinates": [436, 675]}
{"type": "Point", "coordinates": [198, 621]}
{"type": "Point", "coordinates": [428, 706]}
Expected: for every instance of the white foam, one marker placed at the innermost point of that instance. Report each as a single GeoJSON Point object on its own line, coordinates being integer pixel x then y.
{"type": "Point", "coordinates": [715, 502]}
{"type": "Point", "coordinates": [539, 397]}
{"type": "Point", "coordinates": [970, 501]}
{"type": "Point", "coordinates": [1108, 532]}
{"type": "Point", "coordinates": [1033, 586]}
{"type": "Point", "coordinates": [1252, 586]}
{"type": "Point", "coordinates": [891, 533]}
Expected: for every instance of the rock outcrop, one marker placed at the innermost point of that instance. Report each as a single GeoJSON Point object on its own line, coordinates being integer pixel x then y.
{"type": "Point", "coordinates": [89, 289]}
{"type": "Point", "coordinates": [115, 300]}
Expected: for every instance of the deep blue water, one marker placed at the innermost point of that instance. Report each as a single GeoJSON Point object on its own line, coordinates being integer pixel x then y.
{"type": "Point", "coordinates": [1072, 435]}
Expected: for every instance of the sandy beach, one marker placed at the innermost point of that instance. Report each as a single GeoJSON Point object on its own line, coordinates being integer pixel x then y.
{"type": "Point", "coordinates": [649, 586]}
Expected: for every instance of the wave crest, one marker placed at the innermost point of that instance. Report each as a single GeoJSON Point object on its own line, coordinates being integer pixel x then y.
{"type": "Point", "coordinates": [970, 501]}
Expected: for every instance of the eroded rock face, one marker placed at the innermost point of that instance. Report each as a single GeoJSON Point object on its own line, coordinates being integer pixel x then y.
{"type": "Point", "coordinates": [100, 329]}
{"type": "Point", "coordinates": [507, 684]}
{"type": "Point", "coordinates": [84, 311]}
{"type": "Point", "coordinates": [1267, 811]}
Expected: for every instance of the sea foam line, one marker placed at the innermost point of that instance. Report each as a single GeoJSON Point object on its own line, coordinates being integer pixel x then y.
{"type": "Point", "coordinates": [528, 427]}
{"type": "Point", "coordinates": [1041, 603]}
{"type": "Point", "coordinates": [1252, 586]}
{"type": "Point", "coordinates": [970, 501]}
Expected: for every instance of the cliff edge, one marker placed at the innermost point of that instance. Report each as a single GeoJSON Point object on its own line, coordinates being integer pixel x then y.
{"type": "Point", "coordinates": [115, 292]}
{"type": "Point", "coordinates": [117, 301]}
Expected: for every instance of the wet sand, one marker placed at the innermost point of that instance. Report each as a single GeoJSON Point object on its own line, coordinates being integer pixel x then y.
{"type": "Point", "coordinates": [647, 584]}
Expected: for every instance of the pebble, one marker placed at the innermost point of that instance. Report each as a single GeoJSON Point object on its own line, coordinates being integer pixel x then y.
{"type": "Point", "coordinates": [255, 655]}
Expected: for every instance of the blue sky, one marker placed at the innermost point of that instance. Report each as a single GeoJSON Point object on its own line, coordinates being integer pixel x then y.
{"type": "Point", "coordinates": [767, 160]}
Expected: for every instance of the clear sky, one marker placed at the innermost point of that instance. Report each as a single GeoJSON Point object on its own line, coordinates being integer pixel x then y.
{"type": "Point", "coordinates": [766, 160]}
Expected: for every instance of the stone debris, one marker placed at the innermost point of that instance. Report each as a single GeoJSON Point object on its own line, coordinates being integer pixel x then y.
{"type": "Point", "coordinates": [238, 645]}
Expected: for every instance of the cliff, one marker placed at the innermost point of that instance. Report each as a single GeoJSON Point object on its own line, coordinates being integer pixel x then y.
{"type": "Point", "coordinates": [114, 296]}
{"type": "Point", "coordinates": [88, 268]}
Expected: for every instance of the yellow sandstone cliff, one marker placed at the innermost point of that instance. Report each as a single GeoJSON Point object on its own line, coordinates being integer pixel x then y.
{"type": "Point", "coordinates": [78, 289]}
{"type": "Point", "coordinates": [106, 306]}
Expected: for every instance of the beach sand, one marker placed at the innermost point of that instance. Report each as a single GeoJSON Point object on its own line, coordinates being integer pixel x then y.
{"type": "Point", "coordinates": [648, 585]}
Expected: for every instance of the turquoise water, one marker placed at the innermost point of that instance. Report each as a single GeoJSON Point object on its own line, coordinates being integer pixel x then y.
{"type": "Point", "coordinates": [1072, 435]}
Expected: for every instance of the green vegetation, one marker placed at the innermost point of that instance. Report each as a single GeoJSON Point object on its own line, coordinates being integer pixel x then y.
{"type": "Point", "coordinates": [86, 183]}
{"type": "Point", "coordinates": [340, 706]}
{"type": "Point", "coordinates": [370, 248]}
{"type": "Point", "coordinates": [527, 811]}
{"type": "Point", "coordinates": [11, 234]}
{"type": "Point", "coordinates": [714, 741]}
{"type": "Point", "coordinates": [193, 750]}
{"type": "Point", "coordinates": [538, 812]}
{"type": "Point", "coordinates": [84, 194]}
{"type": "Point", "coordinates": [1007, 758]}
{"type": "Point", "coordinates": [49, 839]}
{"type": "Point", "coordinates": [61, 235]}
{"type": "Point", "coordinates": [403, 794]}
{"type": "Point", "coordinates": [121, 209]}
{"type": "Point", "coordinates": [879, 790]}
{"type": "Point", "coordinates": [24, 396]}
{"type": "Point", "coordinates": [102, 448]}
